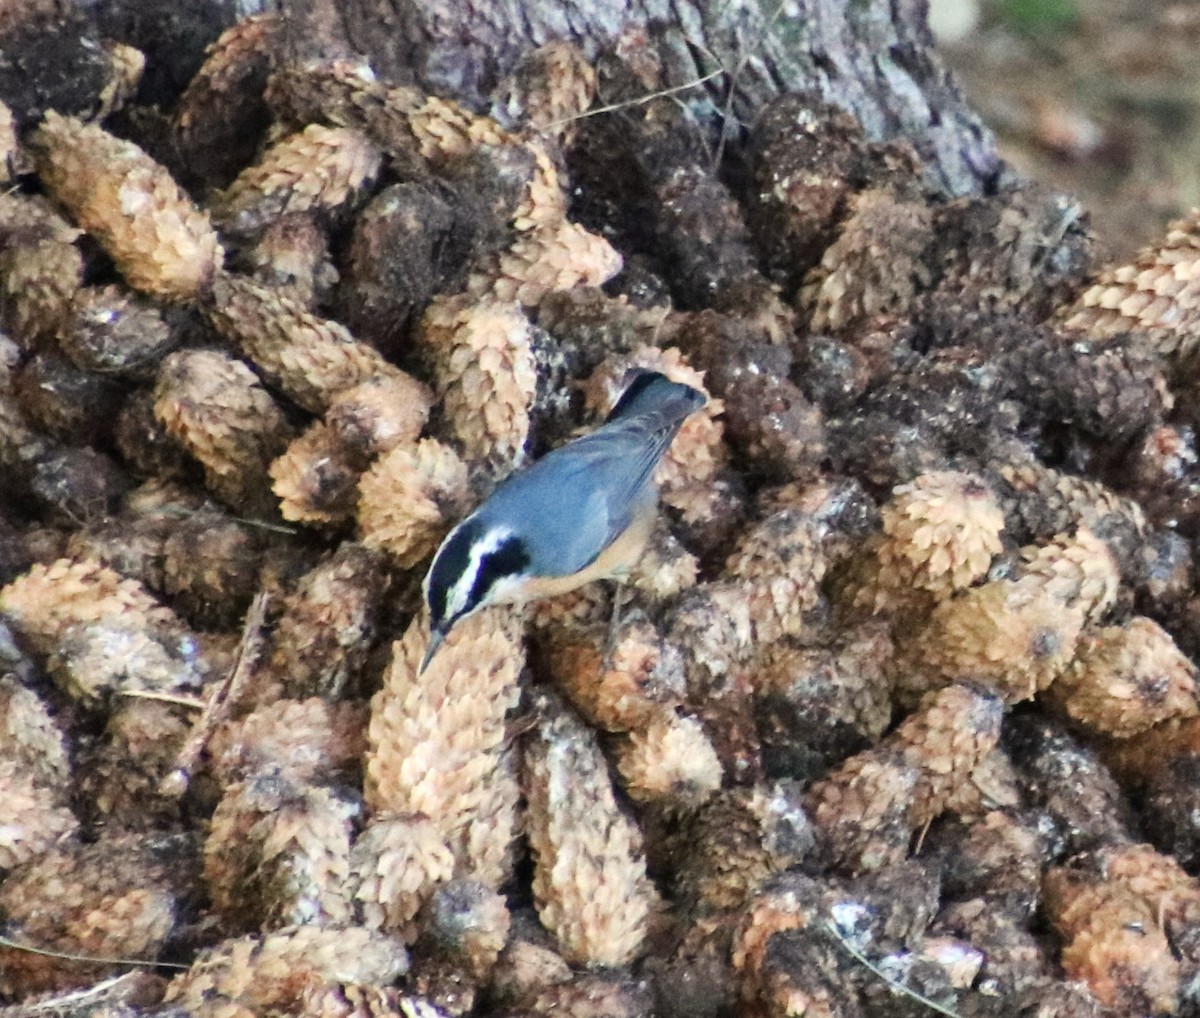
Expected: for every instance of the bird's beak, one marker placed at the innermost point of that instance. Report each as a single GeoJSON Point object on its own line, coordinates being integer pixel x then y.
{"type": "Point", "coordinates": [435, 640]}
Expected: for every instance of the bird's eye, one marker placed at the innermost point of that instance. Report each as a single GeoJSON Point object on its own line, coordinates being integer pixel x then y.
{"type": "Point", "coordinates": [508, 558]}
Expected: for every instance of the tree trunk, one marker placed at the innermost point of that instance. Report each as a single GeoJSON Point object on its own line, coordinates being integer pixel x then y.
{"type": "Point", "coordinates": [873, 58]}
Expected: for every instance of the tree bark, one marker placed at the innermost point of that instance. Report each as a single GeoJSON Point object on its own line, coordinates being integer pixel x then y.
{"type": "Point", "coordinates": [874, 58]}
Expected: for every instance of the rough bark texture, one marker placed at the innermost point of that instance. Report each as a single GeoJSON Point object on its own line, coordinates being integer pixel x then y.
{"type": "Point", "coordinates": [874, 59]}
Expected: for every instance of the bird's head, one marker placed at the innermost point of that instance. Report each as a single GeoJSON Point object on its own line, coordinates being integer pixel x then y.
{"type": "Point", "coordinates": [476, 566]}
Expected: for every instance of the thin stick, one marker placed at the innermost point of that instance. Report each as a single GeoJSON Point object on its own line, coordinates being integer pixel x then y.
{"type": "Point", "coordinates": [218, 706]}
{"type": "Point", "coordinates": [674, 89]}
{"type": "Point", "coordinates": [57, 1005]}
{"type": "Point", "coordinates": [88, 959]}
{"type": "Point", "coordinates": [640, 101]}
{"type": "Point", "coordinates": [191, 702]}
{"type": "Point", "coordinates": [727, 112]}
{"type": "Point", "coordinates": [921, 837]}
{"type": "Point", "coordinates": [898, 987]}
{"type": "Point", "coordinates": [107, 991]}
{"type": "Point", "coordinates": [275, 528]}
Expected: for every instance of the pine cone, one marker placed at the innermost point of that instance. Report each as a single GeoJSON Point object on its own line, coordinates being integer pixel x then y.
{"type": "Point", "coordinates": [162, 244]}
{"type": "Point", "coordinates": [1126, 679]}
{"type": "Point", "coordinates": [1113, 943]}
{"type": "Point", "coordinates": [317, 169]}
{"type": "Point", "coordinates": [875, 267]}
{"type": "Point", "coordinates": [1158, 294]}
{"type": "Point", "coordinates": [780, 564]}
{"type": "Point", "coordinates": [620, 688]}
{"type": "Point", "coordinates": [111, 331]}
{"type": "Point", "coordinates": [409, 498]}
{"type": "Point", "coordinates": [48, 601]}
{"type": "Point", "coordinates": [32, 818]}
{"type": "Point", "coordinates": [303, 739]}
{"type": "Point", "coordinates": [671, 763]}
{"type": "Point", "coordinates": [245, 977]}
{"type": "Point", "coordinates": [940, 533]}
{"type": "Point", "coordinates": [328, 624]}
{"type": "Point", "coordinates": [945, 739]}
{"type": "Point", "coordinates": [436, 741]}
{"type": "Point", "coordinates": [485, 372]}
{"type": "Point", "coordinates": [119, 897]}
{"type": "Point", "coordinates": [278, 853]}
{"type": "Point", "coordinates": [396, 863]}
{"type": "Point", "coordinates": [216, 406]}
{"type": "Point", "coordinates": [312, 359]}
{"type": "Point", "coordinates": [41, 269]}
{"type": "Point", "coordinates": [589, 884]}
{"type": "Point", "coordinates": [221, 115]}
{"type": "Point", "coordinates": [862, 811]}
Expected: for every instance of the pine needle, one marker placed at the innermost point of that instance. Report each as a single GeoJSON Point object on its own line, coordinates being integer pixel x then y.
{"type": "Point", "coordinates": [896, 986]}
{"type": "Point", "coordinates": [87, 959]}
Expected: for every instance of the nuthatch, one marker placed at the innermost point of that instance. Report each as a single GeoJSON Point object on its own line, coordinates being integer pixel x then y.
{"type": "Point", "coordinates": [582, 512]}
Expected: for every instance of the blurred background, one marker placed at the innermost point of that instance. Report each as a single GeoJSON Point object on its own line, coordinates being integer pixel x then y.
{"type": "Point", "coordinates": [1097, 97]}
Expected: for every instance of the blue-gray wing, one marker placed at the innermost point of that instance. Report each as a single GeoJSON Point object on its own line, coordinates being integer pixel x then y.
{"type": "Point", "coordinates": [579, 498]}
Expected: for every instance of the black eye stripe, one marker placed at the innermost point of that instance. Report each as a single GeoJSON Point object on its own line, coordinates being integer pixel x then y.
{"type": "Point", "coordinates": [451, 562]}
{"type": "Point", "coordinates": [510, 557]}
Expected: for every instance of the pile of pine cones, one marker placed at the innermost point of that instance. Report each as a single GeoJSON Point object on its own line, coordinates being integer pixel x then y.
{"type": "Point", "coordinates": [905, 707]}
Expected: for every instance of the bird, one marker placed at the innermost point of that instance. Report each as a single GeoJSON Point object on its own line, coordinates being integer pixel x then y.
{"type": "Point", "coordinates": [582, 512]}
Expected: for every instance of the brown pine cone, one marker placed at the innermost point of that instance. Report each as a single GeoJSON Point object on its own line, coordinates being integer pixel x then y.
{"type": "Point", "coordinates": [589, 884]}
{"type": "Point", "coordinates": [304, 739]}
{"type": "Point", "coordinates": [278, 853]}
{"type": "Point", "coordinates": [1158, 294]}
{"type": "Point", "coordinates": [312, 359]}
{"type": "Point", "coordinates": [111, 331]}
{"type": "Point", "coordinates": [118, 897]}
{"type": "Point", "coordinates": [622, 687]}
{"type": "Point", "coordinates": [327, 625]}
{"type": "Point", "coordinates": [1126, 679]}
{"type": "Point", "coordinates": [41, 269]}
{"type": "Point", "coordinates": [160, 241]}
{"type": "Point", "coordinates": [862, 811]}
{"type": "Point", "coordinates": [486, 375]}
{"type": "Point", "coordinates": [940, 533]}
{"type": "Point", "coordinates": [437, 742]}
{"type": "Point", "coordinates": [779, 563]}
{"type": "Point", "coordinates": [221, 115]}
{"type": "Point", "coordinates": [875, 267]}
{"type": "Point", "coordinates": [239, 978]}
{"type": "Point", "coordinates": [396, 863]}
{"type": "Point", "coordinates": [1114, 942]}
{"type": "Point", "coordinates": [409, 498]}
{"type": "Point", "coordinates": [317, 169]}
{"type": "Point", "coordinates": [216, 406]}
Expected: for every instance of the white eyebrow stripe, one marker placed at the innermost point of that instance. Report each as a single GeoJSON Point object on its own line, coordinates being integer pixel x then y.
{"type": "Point", "coordinates": [489, 541]}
